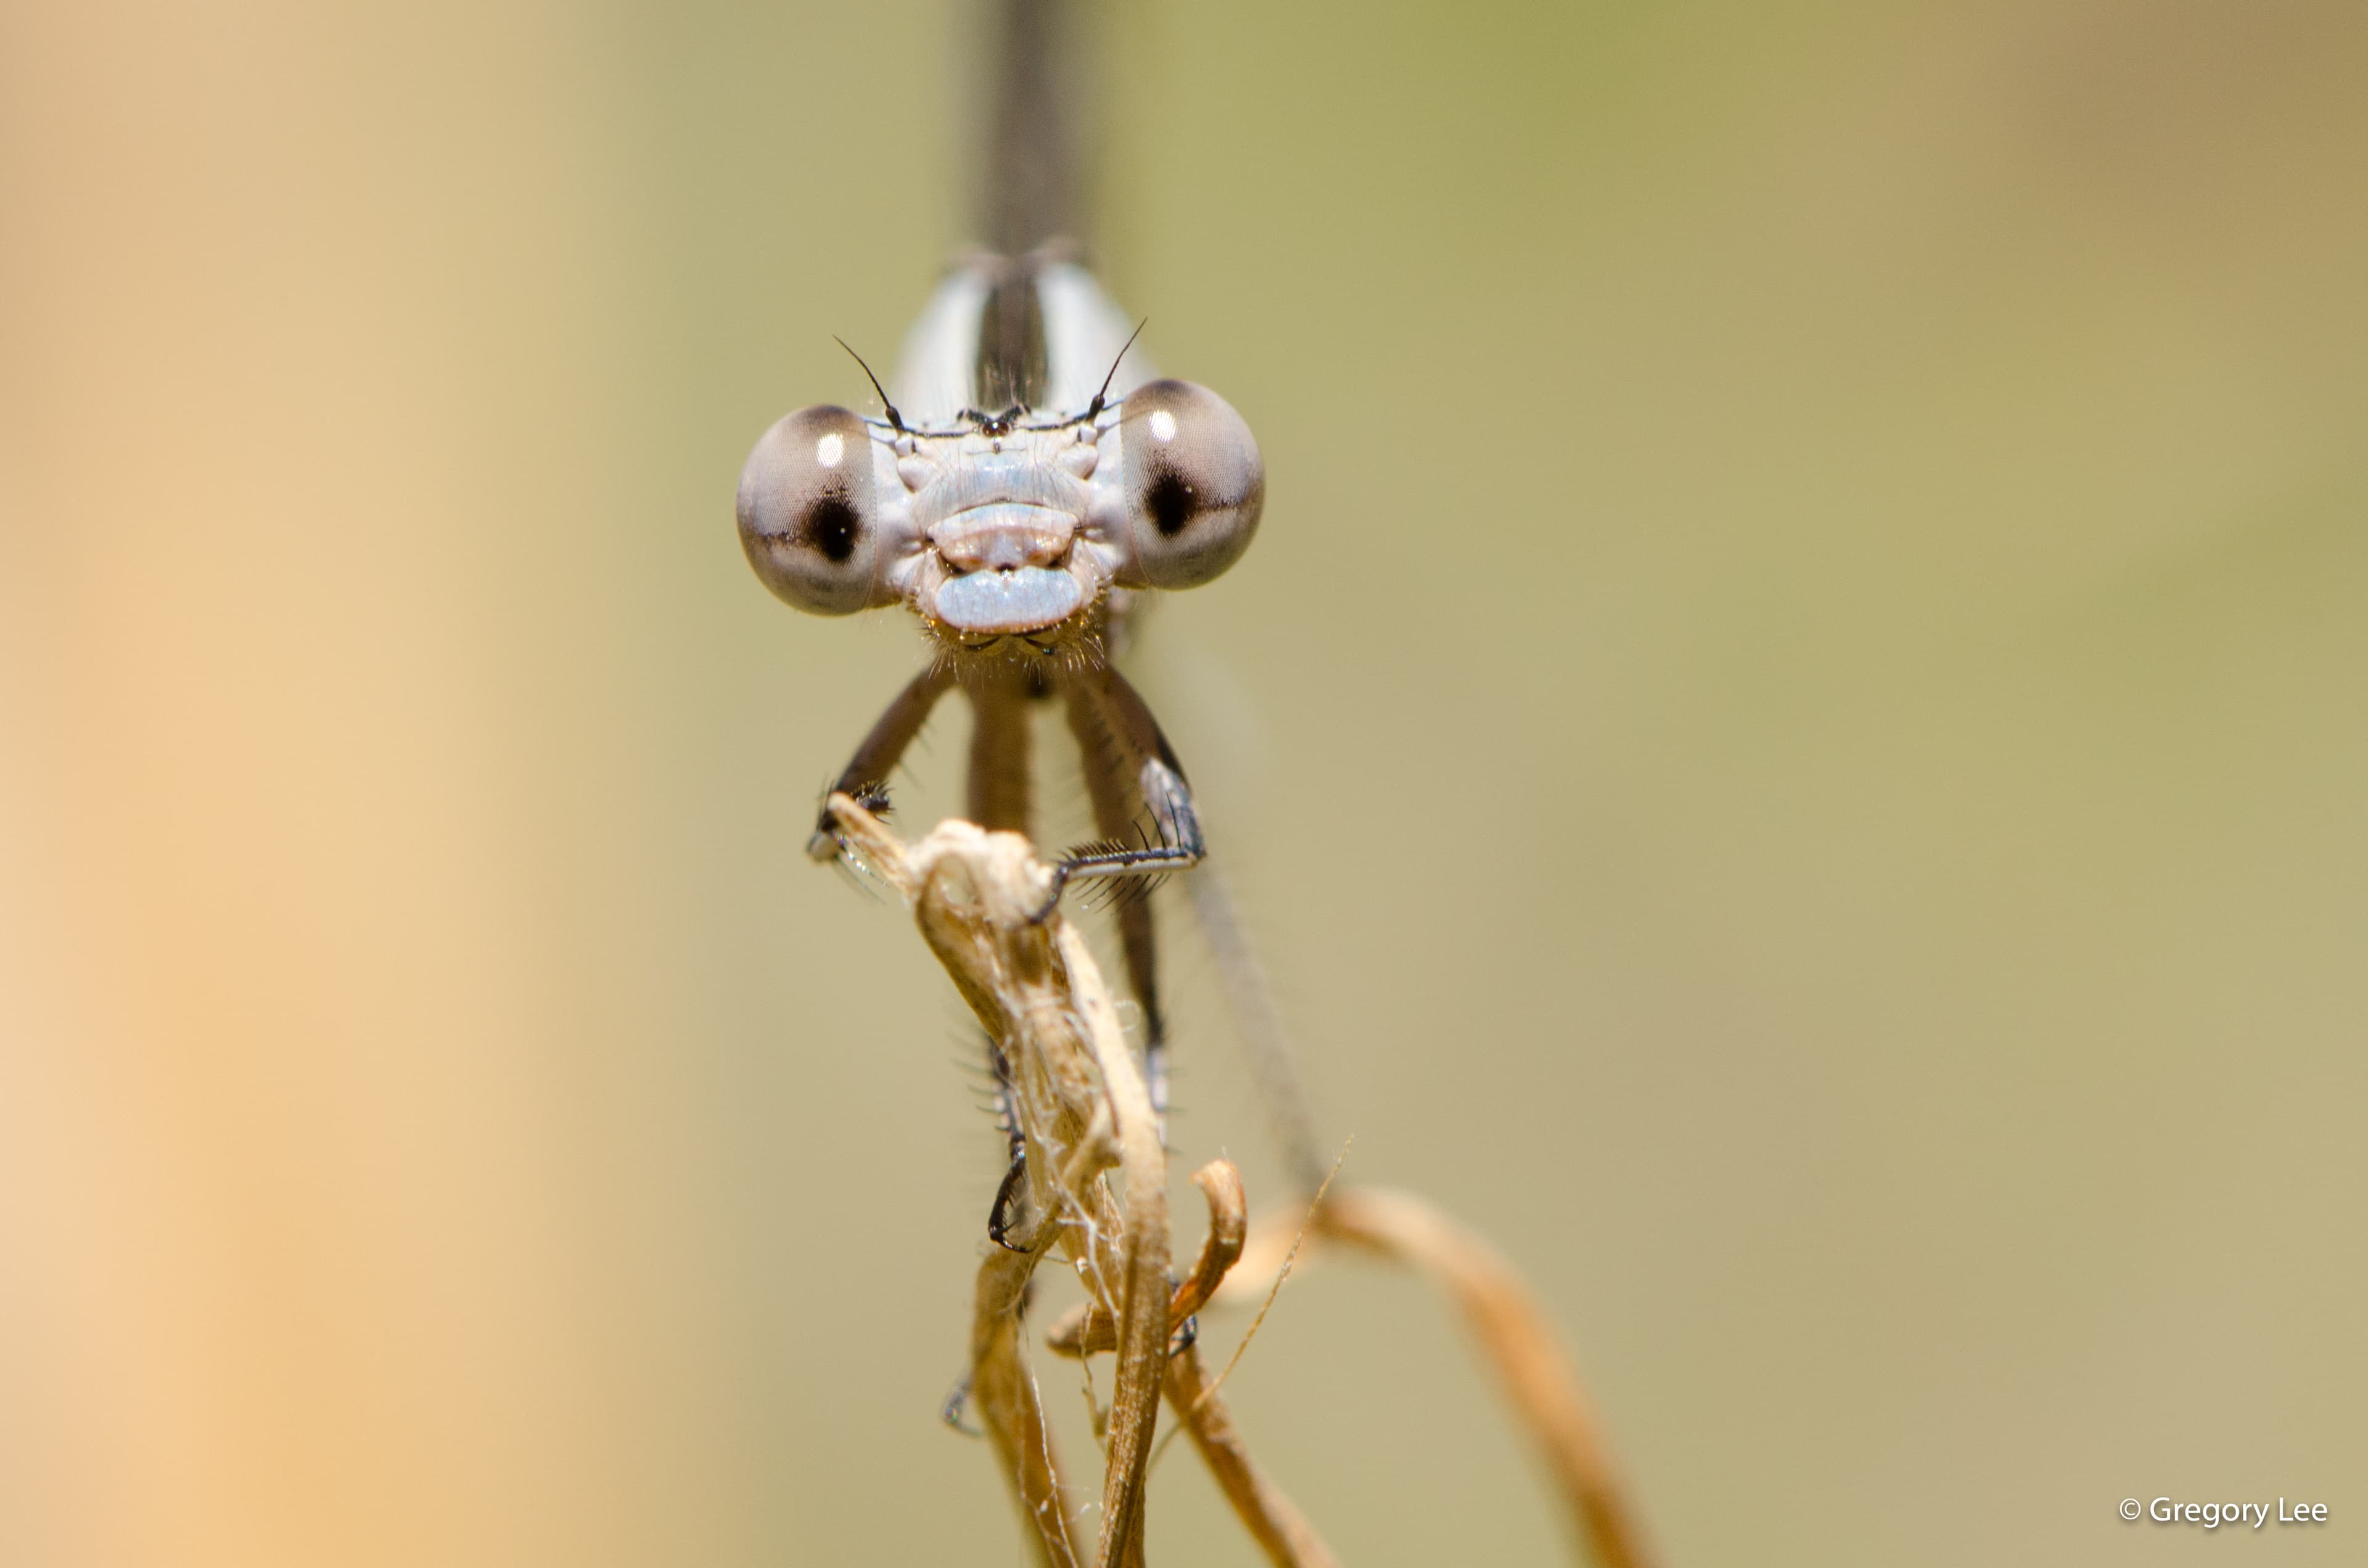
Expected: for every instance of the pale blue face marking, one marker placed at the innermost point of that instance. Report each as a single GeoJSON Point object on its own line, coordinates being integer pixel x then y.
{"type": "Point", "coordinates": [1024, 599]}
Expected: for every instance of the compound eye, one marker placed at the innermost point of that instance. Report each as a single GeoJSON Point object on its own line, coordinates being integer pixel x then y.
{"type": "Point", "coordinates": [808, 519]}
{"type": "Point", "coordinates": [1194, 484]}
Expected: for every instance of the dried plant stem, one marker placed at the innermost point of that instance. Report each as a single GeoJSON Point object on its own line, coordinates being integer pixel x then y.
{"type": "Point", "coordinates": [1141, 1306]}
{"type": "Point", "coordinates": [1085, 1116]}
{"type": "Point", "coordinates": [1097, 1194]}
{"type": "Point", "coordinates": [1537, 1376]}
{"type": "Point", "coordinates": [1003, 1392]}
{"type": "Point", "coordinates": [1279, 1529]}
{"type": "Point", "coordinates": [1278, 1526]}
{"type": "Point", "coordinates": [1088, 1329]}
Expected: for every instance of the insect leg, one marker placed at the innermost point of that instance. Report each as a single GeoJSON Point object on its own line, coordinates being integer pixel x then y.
{"type": "Point", "coordinates": [1114, 725]}
{"type": "Point", "coordinates": [1133, 779]}
{"type": "Point", "coordinates": [1011, 1193]}
{"type": "Point", "coordinates": [999, 784]}
{"type": "Point", "coordinates": [865, 777]}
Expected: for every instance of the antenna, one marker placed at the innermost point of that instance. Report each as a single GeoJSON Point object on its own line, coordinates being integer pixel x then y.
{"type": "Point", "coordinates": [896, 420]}
{"type": "Point", "coordinates": [1095, 406]}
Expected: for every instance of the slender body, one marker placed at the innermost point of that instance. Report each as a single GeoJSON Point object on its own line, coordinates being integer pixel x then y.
{"type": "Point", "coordinates": [1027, 480]}
{"type": "Point", "coordinates": [1019, 539]}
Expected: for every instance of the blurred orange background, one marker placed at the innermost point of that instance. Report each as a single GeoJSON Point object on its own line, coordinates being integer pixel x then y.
{"type": "Point", "coordinates": [1796, 734]}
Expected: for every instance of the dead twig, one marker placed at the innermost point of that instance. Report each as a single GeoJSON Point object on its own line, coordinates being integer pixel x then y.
{"type": "Point", "coordinates": [1096, 1195]}
{"type": "Point", "coordinates": [1088, 1329]}
{"type": "Point", "coordinates": [1141, 1265]}
{"type": "Point", "coordinates": [1084, 1117]}
{"type": "Point", "coordinates": [1274, 1292]}
{"type": "Point", "coordinates": [1270, 1516]}
{"type": "Point", "coordinates": [1276, 1525]}
{"type": "Point", "coordinates": [1003, 1392]}
{"type": "Point", "coordinates": [1537, 1376]}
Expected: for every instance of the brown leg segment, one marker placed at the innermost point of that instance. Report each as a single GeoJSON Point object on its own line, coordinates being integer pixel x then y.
{"type": "Point", "coordinates": [999, 797]}
{"type": "Point", "coordinates": [865, 777]}
{"type": "Point", "coordinates": [1112, 753]}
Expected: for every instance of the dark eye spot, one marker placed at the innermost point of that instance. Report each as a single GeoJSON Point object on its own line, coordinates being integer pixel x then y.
{"type": "Point", "coordinates": [1171, 504]}
{"type": "Point", "coordinates": [831, 526]}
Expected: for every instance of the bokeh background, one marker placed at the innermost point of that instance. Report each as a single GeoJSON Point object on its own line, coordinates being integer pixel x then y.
{"type": "Point", "coordinates": [1795, 736]}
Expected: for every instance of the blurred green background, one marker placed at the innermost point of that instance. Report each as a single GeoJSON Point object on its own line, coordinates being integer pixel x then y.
{"type": "Point", "coordinates": [1796, 737]}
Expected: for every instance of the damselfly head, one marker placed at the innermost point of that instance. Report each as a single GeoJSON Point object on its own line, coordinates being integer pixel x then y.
{"type": "Point", "coordinates": [1006, 528]}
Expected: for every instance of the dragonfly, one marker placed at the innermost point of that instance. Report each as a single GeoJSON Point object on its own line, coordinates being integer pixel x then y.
{"type": "Point", "coordinates": [1030, 482]}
